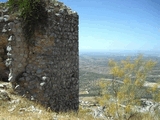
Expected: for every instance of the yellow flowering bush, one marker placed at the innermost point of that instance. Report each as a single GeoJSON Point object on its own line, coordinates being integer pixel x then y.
{"type": "Point", "coordinates": [127, 86]}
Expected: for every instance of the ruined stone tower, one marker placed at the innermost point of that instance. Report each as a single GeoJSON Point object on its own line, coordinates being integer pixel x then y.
{"type": "Point", "coordinates": [47, 72]}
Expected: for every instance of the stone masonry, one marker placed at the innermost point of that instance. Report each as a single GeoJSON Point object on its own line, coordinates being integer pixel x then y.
{"type": "Point", "coordinates": [3, 53]}
{"type": "Point", "coordinates": [49, 71]}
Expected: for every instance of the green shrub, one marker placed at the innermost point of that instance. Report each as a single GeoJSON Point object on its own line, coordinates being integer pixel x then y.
{"type": "Point", "coordinates": [33, 15]}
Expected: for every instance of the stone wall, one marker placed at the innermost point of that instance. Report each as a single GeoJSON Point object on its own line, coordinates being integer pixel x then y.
{"type": "Point", "coordinates": [49, 71]}
{"type": "Point", "coordinates": [3, 53]}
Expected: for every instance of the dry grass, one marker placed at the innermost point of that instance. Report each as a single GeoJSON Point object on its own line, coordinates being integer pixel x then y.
{"type": "Point", "coordinates": [5, 115]}
{"type": "Point", "coordinates": [19, 114]}
{"type": "Point", "coordinates": [43, 114]}
{"type": "Point", "coordinates": [20, 109]}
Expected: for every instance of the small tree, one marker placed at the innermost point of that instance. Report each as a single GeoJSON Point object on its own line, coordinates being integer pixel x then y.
{"type": "Point", "coordinates": [121, 94]}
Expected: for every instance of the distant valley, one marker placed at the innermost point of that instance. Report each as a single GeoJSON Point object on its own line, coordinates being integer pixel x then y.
{"type": "Point", "coordinates": [93, 66]}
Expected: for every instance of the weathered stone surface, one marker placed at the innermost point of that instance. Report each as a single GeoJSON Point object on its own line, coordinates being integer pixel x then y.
{"type": "Point", "coordinates": [3, 56]}
{"type": "Point", "coordinates": [4, 95]}
{"type": "Point", "coordinates": [47, 72]}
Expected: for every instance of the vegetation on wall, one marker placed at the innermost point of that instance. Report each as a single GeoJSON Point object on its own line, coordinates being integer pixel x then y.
{"type": "Point", "coordinates": [33, 15]}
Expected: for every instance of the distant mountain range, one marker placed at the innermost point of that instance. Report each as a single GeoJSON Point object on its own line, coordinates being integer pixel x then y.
{"type": "Point", "coordinates": [121, 52]}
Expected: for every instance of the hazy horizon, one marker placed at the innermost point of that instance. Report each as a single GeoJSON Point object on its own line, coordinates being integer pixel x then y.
{"type": "Point", "coordinates": [131, 51]}
{"type": "Point", "coordinates": [119, 52]}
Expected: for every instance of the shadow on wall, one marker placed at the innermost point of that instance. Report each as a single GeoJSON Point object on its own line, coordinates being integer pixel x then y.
{"type": "Point", "coordinates": [4, 70]}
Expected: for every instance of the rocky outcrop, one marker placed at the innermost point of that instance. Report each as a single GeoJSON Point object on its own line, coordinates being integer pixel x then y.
{"type": "Point", "coordinates": [4, 96]}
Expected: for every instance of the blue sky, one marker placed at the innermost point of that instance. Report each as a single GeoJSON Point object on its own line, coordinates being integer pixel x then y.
{"type": "Point", "coordinates": [118, 24]}
{"type": "Point", "coordinates": [107, 25]}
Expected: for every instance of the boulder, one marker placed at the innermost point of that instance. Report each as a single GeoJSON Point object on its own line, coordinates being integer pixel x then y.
{"type": "Point", "coordinates": [4, 95]}
{"type": "Point", "coordinates": [3, 73]}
